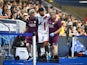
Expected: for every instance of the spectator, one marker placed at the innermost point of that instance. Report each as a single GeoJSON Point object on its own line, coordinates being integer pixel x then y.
{"type": "Point", "coordinates": [1, 5]}
{"type": "Point", "coordinates": [62, 32]}
{"type": "Point", "coordinates": [59, 14]}
{"type": "Point", "coordinates": [19, 15]}
{"type": "Point", "coordinates": [25, 17]}
{"type": "Point", "coordinates": [50, 9]}
{"type": "Point", "coordinates": [14, 16]}
{"type": "Point", "coordinates": [1, 10]}
{"type": "Point", "coordinates": [85, 26]}
{"type": "Point", "coordinates": [85, 18]}
{"type": "Point", "coordinates": [81, 31]}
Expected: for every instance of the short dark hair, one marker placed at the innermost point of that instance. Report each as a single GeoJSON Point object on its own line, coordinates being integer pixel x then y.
{"type": "Point", "coordinates": [40, 9]}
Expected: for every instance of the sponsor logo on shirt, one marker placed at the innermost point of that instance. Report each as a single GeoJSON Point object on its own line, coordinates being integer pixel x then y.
{"type": "Point", "coordinates": [51, 25]}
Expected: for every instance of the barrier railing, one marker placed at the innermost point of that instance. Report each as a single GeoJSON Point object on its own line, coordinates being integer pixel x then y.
{"type": "Point", "coordinates": [81, 39]}
{"type": "Point", "coordinates": [25, 34]}
{"type": "Point", "coordinates": [74, 39]}
{"type": "Point", "coordinates": [9, 25]}
{"type": "Point", "coordinates": [9, 36]}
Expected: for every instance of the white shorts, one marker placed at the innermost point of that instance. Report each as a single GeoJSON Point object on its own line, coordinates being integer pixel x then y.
{"type": "Point", "coordinates": [43, 37]}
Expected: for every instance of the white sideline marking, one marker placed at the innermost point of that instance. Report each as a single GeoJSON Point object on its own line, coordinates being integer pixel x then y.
{"type": "Point", "coordinates": [82, 1]}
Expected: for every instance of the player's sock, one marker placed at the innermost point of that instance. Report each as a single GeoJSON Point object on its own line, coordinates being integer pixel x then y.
{"type": "Point", "coordinates": [42, 51]}
{"type": "Point", "coordinates": [30, 55]}
{"type": "Point", "coordinates": [38, 48]}
{"type": "Point", "coordinates": [47, 49]}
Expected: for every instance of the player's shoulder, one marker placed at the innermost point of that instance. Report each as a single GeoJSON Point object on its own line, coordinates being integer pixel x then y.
{"type": "Point", "coordinates": [37, 15]}
{"type": "Point", "coordinates": [48, 15]}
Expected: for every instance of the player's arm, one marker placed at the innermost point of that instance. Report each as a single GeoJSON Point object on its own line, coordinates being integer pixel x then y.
{"type": "Point", "coordinates": [4, 16]}
{"type": "Point", "coordinates": [37, 16]}
{"type": "Point", "coordinates": [59, 26]}
{"type": "Point", "coordinates": [58, 30]}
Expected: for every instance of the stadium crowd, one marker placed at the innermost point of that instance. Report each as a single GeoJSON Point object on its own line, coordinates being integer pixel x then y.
{"type": "Point", "coordinates": [20, 10]}
{"type": "Point", "coordinates": [29, 10]}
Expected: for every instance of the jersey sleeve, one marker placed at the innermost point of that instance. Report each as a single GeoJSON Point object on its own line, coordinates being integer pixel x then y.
{"type": "Point", "coordinates": [59, 23]}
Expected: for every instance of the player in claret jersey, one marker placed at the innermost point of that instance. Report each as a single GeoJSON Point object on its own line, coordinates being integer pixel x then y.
{"type": "Point", "coordinates": [43, 34]}
{"type": "Point", "coordinates": [54, 30]}
{"type": "Point", "coordinates": [32, 26]}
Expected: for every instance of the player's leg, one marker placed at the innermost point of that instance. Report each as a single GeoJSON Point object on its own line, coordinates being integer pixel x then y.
{"type": "Point", "coordinates": [28, 45]}
{"type": "Point", "coordinates": [28, 41]}
{"type": "Point", "coordinates": [40, 47]}
{"type": "Point", "coordinates": [40, 41]}
{"type": "Point", "coordinates": [46, 46]}
{"type": "Point", "coordinates": [46, 42]}
{"type": "Point", "coordinates": [54, 50]}
{"type": "Point", "coordinates": [54, 57]}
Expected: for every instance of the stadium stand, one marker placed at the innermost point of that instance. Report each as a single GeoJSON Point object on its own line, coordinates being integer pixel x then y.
{"type": "Point", "coordinates": [17, 13]}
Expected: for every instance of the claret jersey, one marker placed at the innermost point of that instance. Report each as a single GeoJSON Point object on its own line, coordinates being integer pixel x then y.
{"type": "Point", "coordinates": [32, 24]}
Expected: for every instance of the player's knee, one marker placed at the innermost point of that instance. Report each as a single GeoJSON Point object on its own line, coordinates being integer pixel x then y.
{"type": "Point", "coordinates": [45, 43]}
{"type": "Point", "coordinates": [27, 44]}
